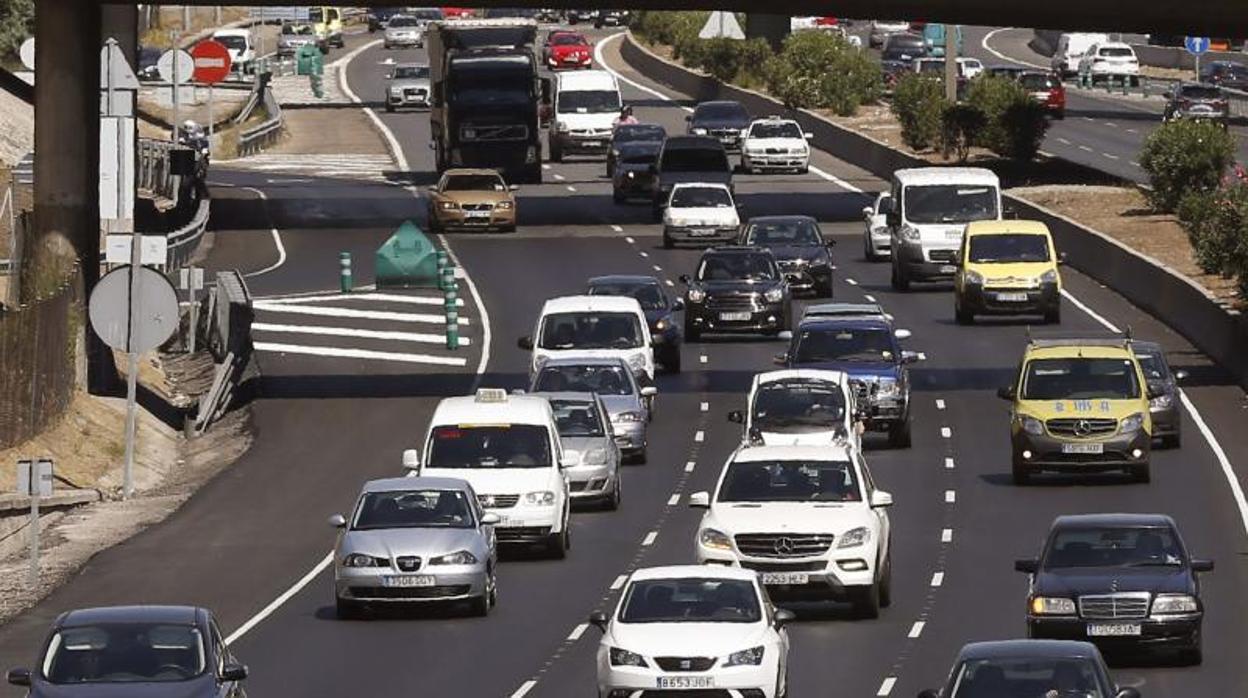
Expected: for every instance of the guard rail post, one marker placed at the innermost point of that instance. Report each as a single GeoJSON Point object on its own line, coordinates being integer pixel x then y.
{"type": "Point", "coordinates": [344, 271]}
{"type": "Point", "coordinates": [442, 260]}
{"type": "Point", "coordinates": [450, 302]}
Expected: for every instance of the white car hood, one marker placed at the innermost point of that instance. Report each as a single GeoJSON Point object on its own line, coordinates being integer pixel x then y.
{"type": "Point", "coordinates": [754, 143]}
{"type": "Point", "coordinates": [812, 438]}
{"type": "Point", "coordinates": [501, 480]}
{"type": "Point", "coordinates": [797, 517]}
{"type": "Point", "coordinates": [724, 217]}
{"type": "Point", "coordinates": [576, 121]}
{"type": "Point", "coordinates": [686, 639]}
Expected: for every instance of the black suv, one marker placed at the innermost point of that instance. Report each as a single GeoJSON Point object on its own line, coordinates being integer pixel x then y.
{"type": "Point", "coordinates": [722, 120]}
{"type": "Point", "coordinates": [1122, 581]}
{"type": "Point", "coordinates": [736, 289]}
{"type": "Point", "coordinates": [799, 247]}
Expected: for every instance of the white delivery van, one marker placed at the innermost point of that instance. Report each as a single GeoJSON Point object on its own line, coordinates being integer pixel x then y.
{"type": "Point", "coordinates": [598, 326]}
{"type": "Point", "coordinates": [1070, 48]}
{"type": "Point", "coordinates": [587, 103]}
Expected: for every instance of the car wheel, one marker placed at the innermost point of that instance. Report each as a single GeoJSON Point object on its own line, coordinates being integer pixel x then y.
{"type": "Point", "coordinates": [824, 290]}
{"type": "Point", "coordinates": [899, 280]}
{"type": "Point", "coordinates": [668, 242]}
{"type": "Point", "coordinates": [899, 434]}
{"type": "Point", "coordinates": [1140, 473]}
{"type": "Point", "coordinates": [962, 315]}
{"type": "Point", "coordinates": [1020, 473]}
{"type": "Point", "coordinates": [1053, 317]}
{"type": "Point", "coordinates": [557, 544]}
{"type": "Point", "coordinates": [556, 151]}
{"type": "Point", "coordinates": [866, 602]}
{"type": "Point", "coordinates": [1194, 655]}
{"type": "Point", "coordinates": [389, 108]}
{"type": "Point", "coordinates": [347, 609]}
{"type": "Point", "coordinates": [480, 606]}
{"type": "Point", "coordinates": [617, 494]}
{"type": "Point", "coordinates": [692, 334]}
{"type": "Point", "coordinates": [886, 583]}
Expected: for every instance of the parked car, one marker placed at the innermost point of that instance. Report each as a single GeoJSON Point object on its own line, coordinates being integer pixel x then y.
{"type": "Point", "coordinates": [1197, 102]}
{"type": "Point", "coordinates": [1046, 89]}
{"type": "Point", "coordinates": [1225, 74]}
{"type": "Point", "coordinates": [724, 120]}
{"type": "Point", "coordinates": [629, 405]}
{"type": "Point", "coordinates": [467, 199]}
{"type": "Point", "coordinates": [1165, 407]}
{"type": "Point", "coordinates": [1029, 668]}
{"type": "Point", "coordinates": [736, 289]}
{"type": "Point", "coordinates": [803, 254]}
{"type": "Point", "coordinates": [660, 311]}
{"type": "Point", "coordinates": [1111, 60]}
{"type": "Point", "coordinates": [408, 86]}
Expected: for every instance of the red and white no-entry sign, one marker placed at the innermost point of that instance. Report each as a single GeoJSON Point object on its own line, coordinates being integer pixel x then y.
{"type": "Point", "coordinates": [212, 62]}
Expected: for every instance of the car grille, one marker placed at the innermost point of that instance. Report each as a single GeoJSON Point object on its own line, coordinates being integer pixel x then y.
{"type": "Point", "coordinates": [1114, 606]}
{"type": "Point", "coordinates": [577, 486]}
{"type": "Point", "coordinates": [408, 563]}
{"type": "Point", "coordinates": [777, 151]}
{"type": "Point", "coordinates": [942, 255]}
{"type": "Point", "coordinates": [491, 132]}
{"type": "Point", "coordinates": [685, 663]}
{"type": "Point", "coordinates": [817, 566]}
{"type": "Point", "coordinates": [1082, 428]}
{"type": "Point", "coordinates": [436, 592]}
{"type": "Point", "coordinates": [498, 501]}
{"type": "Point", "coordinates": [521, 534]}
{"type": "Point", "coordinates": [477, 207]}
{"type": "Point", "coordinates": [415, 93]}
{"type": "Point", "coordinates": [783, 544]}
{"type": "Point", "coordinates": [734, 301]}
{"type": "Point", "coordinates": [726, 134]}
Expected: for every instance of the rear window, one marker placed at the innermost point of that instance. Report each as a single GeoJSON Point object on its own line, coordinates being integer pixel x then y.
{"type": "Point", "coordinates": [1036, 81]}
{"type": "Point", "coordinates": [595, 378]}
{"type": "Point", "coordinates": [1199, 92]}
{"type": "Point", "coordinates": [695, 160]}
{"type": "Point", "coordinates": [1117, 52]}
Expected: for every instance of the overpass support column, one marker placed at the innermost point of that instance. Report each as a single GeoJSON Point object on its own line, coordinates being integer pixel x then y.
{"type": "Point", "coordinates": [773, 28]}
{"type": "Point", "coordinates": [121, 22]}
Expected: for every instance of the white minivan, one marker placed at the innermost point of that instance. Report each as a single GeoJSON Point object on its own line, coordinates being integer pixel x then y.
{"type": "Point", "coordinates": [1070, 49]}
{"type": "Point", "coordinates": [507, 447]}
{"type": "Point", "coordinates": [587, 103]}
{"type": "Point", "coordinates": [598, 326]}
{"type": "Point", "coordinates": [927, 217]}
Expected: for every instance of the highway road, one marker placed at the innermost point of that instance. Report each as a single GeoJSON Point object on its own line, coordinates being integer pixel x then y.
{"type": "Point", "coordinates": [252, 544]}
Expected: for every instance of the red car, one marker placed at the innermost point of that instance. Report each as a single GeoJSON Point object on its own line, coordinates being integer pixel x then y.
{"type": "Point", "coordinates": [568, 50]}
{"type": "Point", "coordinates": [1047, 89]}
{"type": "Point", "coordinates": [456, 12]}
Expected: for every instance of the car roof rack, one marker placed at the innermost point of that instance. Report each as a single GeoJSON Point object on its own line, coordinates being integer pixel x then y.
{"type": "Point", "coordinates": [1082, 339]}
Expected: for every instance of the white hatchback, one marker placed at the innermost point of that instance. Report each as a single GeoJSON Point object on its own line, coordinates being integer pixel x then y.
{"type": "Point", "coordinates": [700, 213]}
{"type": "Point", "coordinates": [800, 407]}
{"type": "Point", "coordinates": [597, 326]}
{"type": "Point", "coordinates": [775, 144]}
{"type": "Point", "coordinates": [693, 628]}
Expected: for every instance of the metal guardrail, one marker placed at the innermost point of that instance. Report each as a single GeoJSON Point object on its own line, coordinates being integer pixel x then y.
{"type": "Point", "coordinates": [262, 135]}
{"type": "Point", "coordinates": [181, 241]}
{"type": "Point", "coordinates": [155, 165]}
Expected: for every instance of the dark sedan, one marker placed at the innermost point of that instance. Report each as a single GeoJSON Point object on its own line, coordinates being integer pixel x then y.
{"type": "Point", "coordinates": [633, 175]}
{"type": "Point", "coordinates": [660, 312]}
{"type": "Point", "coordinates": [723, 120]}
{"type": "Point", "coordinates": [1123, 581]}
{"type": "Point", "coordinates": [1202, 102]}
{"type": "Point", "coordinates": [651, 135]}
{"type": "Point", "coordinates": [134, 652]}
{"type": "Point", "coordinates": [1225, 74]}
{"type": "Point", "coordinates": [1166, 409]}
{"type": "Point", "coordinates": [1029, 668]}
{"type": "Point", "coordinates": [736, 289]}
{"type": "Point", "coordinates": [799, 247]}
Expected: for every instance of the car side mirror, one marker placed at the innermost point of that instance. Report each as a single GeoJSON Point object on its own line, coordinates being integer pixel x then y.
{"type": "Point", "coordinates": [868, 212]}
{"type": "Point", "coordinates": [1029, 566]}
{"type": "Point", "coordinates": [700, 500]}
{"type": "Point", "coordinates": [1128, 693]}
{"type": "Point", "coordinates": [19, 677]}
{"type": "Point", "coordinates": [783, 617]}
{"type": "Point", "coordinates": [1202, 565]}
{"type": "Point", "coordinates": [736, 417]}
{"type": "Point", "coordinates": [489, 518]}
{"type": "Point", "coordinates": [389, 76]}
{"type": "Point", "coordinates": [1061, 258]}
{"type": "Point", "coordinates": [656, 340]}
{"type": "Point", "coordinates": [929, 693]}
{"type": "Point", "coordinates": [233, 672]}
{"type": "Point", "coordinates": [525, 343]}
{"type": "Point", "coordinates": [684, 279]}
{"type": "Point", "coordinates": [1006, 392]}
{"type": "Point", "coordinates": [902, 334]}
{"type": "Point", "coordinates": [780, 359]}
{"type": "Point", "coordinates": [881, 499]}
{"type": "Point", "coordinates": [649, 391]}
{"type": "Point", "coordinates": [830, 243]}
{"type": "Point", "coordinates": [432, 189]}
{"type": "Point", "coordinates": [337, 521]}
{"type": "Point", "coordinates": [1181, 375]}
{"type": "Point", "coordinates": [598, 619]}
{"type": "Point", "coordinates": [678, 305]}
{"type": "Point", "coordinates": [411, 459]}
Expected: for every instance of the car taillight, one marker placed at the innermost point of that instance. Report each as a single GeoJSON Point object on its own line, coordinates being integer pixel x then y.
{"type": "Point", "coordinates": [1220, 104]}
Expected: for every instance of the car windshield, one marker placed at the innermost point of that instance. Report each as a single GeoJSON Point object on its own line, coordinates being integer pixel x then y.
{"type": "Point", "coordinates": [411, 72]}
{"type": "Point", "coordinates": [1080, 379]}
{"type": "Point", "coordinates": [124, 653]}
{"type": "Point", "coordinates": [790, 481]}
{"type": "Point", "coordinates": [298, 29]}
{"type": "Point", "coordinates": [701, 197]}
{"type": "Point", "coordinates": [482, 182]}
{"type": "Point", "coordinates": [603, 379]}
{"type": "Point", "coordinates": [575, 418]}
{"type": "Point", "coordinates": [489, 447]}
{"type": "Point", "coordinates": [844, 344]}
{"type": "Point", "coordinates": [902, 52]}
{"type": "Point", "coordinates": [736, 267]}
{"type": "Point", "coordinates": [233, 42]}
{"type": "Point", "coordinates": [646, 293]}
{"type": "Point", "coordinates": [949, 203]}
{"type": "Point", "coordinates": [1153, 365]}
{"type": "Point", "coordinates": [1012, 247]}
{"type": "Point", "coordinates": [589, 102]}
{"type": "Point", "coordinates": [404, 22]}
{"type": "Point", "coordinates": [1117, 52]}
{"type": "Point", "coordinates": [568, 40]}
{"type": "Point", "coordinates": [413, 509]}
{"type": "Point", "coordinates": [1118, 546]}
{"type": "Point", "coordinates": [590, 330]}
{"type": "Point", "coordinates": [797, 231]}
{"type": "Point", "coordinates": [1199, 92]}
{"type": "Point", "coordinates": [720, 111]}
{"type": "Point", "coordinates": [626, 133]}
{"type": "Point", "coordinates": [1038, 81]}
{"type": "Point", "coordinates": [1027, 678]}
{"type": "Point", "coordinates": [798, 406]}
{"type": "Point", "coordinates": [783, 129]}
{"type": "Point", "coordinates": [691, 600]}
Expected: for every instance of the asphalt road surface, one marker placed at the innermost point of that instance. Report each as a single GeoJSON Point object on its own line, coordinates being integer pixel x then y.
{"type": "Point", "coordinates": [252, 543]}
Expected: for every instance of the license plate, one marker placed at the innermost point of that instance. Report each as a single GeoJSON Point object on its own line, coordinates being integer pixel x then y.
{"type": "Point", "coordinates": [734, 317]}
{"type": "Point", "coordinates": [953, 234]}
{"type": "Point", "coordinates": [786, 578]}
{"type": "Point", "coordinates": [948, 269]}
{"type": "Point", "coordinates": [591, 144]}
{"type": "Point", "coordinates": [1113, 629]}
{"type": "Point", "coordinates": [1012, 297]}
{"type": "Point", "coordinates": [1083, 448]}
{"type": "Point", "coordinates": [680, 682]}
{"type": "Point", "coordinates": [408, 580]}
{"type": "Point", "coordinates": [476, 214]}
{"type": "Point", "coordinates": [701, 232]}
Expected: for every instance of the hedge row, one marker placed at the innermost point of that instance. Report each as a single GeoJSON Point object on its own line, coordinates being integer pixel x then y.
{"type": "Point", "coordinates": [997, 114]}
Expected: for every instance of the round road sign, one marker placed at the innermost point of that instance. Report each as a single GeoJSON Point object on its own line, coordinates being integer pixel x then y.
{"type": "Point", "coordinates": [1196, 45]}
{"type": "Point", "coordinates": [27, 53]}
{"type": "Point", "coordinates": [212, 62]}
{"type": "Point", "coordinates": [157, 304]}
{"type": "Point", "coordinates": [186, 65]}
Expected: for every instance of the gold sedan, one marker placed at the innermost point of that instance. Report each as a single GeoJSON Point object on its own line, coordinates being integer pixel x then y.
{"type": "Point", "coordinates": [466, 199]}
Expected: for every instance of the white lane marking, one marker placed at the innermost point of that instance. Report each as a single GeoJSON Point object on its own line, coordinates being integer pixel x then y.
{"type": "Point", "coordinates": [949, 465]}
{"type": "Point", "coordinates": [938, 579]}
{"type": "Point", "coordinates": [702, 359]}
{"type": "Point", "coordinates": [657, 267]}
{"type": "Point", "coordinates": [946, 432]}
{"type": "Point", "coordinates": [916, 629]}
{"type": "Point", "coordinates": [669, 282]}
{"type": "Point", "coordinates": [619, 582]}
{"type": "Point", "coordinates": [648, 90]}
{"type": "Point", "coordinates": [922, 356]}
{"type": "Point", "coordinates": [1111, 124]}
{"type": "Point", "coordinates": [384, 315]}
{"type": "Point", "coordinates": [699, 436]}
{"type": "Point", "coordinates": [571, 188]}
{"type": "Point", "coordinates": [951, 496]}
{"type": "Point", "coordinates": [649, 539]}
{"type": "Point", "coordinates": [558, 177]}
{"type": "Point", "coordinates": [940, 404]}
{"type": "Point", "coordinates": [851, 282]}
{"type": "Point", "coordinates": [835, 180]}
{"type": "Point", "coordinates": [1111, 156]}
{"type": "Point", "coordinates": [1131, 130]}
{"type": "Point", "coordinates": [1228, 471]}
{"type": "Point", "coordinates": [946, 535]}
{"type": "Point", "coordinates": [577, 632]}
{"type": "Point", "coordinates": [870, 298]}
{"type": "Point", "coordinates": [1136, 164]}
{"type": "Point", "coordinates": [987, 47]}
{"type": "Point", "coordinates": [277, 237]}
{"type": "Point", "coordinates": [421, 337]}
{"type": "Point", "coordinates": [392, 143]}
{"type": "Point", "coordinates": [281, 599]}
{"type": "Point", "coordinates": [1085, 149]}
{"type": "Point", "coordinates": [370, 297]}
{"type": "Point", "coordinates": [704, 406]}
{"type": "Point", "coordinates": [484, 312]}
{"type": "Point", "coordinates": [673, 500]}
{"type": "Point", "coordinates": [545, 165]}
{"type": "Point", "coordinates": [887, 687]}
{"type": "Point", "coordinates": [617, 228]}
{"type": "Point", "coordinates": [1063, 141]}
{"type": "Point", "coordinates": [690, 466]}
{"type": "Point", "coordinates": [1088, 119]}
{"type": "Point", "coordinates": [369, 354]}
{"type": "Point", "coordinates": [643, 253]}
{"type": "Point", "coordinates": [524, 689]}
{"type": "Point", "coordinates": [629, 240]}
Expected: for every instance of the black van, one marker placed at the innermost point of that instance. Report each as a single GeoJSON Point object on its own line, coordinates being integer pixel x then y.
{"type": "Point", "coordinates": [688, 159]}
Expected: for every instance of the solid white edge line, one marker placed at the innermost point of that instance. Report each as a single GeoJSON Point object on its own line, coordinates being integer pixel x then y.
{"type": "Point", "coordinates": [603, 64]}
{"type": "Point", "coordinates": [281, 599]}
{"type": "Point", "coordinates": [277, 237]}
{"type": "Point", "coordinates": [524, 689]}
{"type": "Point", "coordinates": [1004, 57]}
{"type": "Point", "coordinates": [673, 500]}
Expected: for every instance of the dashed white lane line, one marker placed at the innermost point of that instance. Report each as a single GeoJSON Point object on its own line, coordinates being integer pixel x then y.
{"type": "Point", "coordinates": [869, 298]}
{"type": "Point", "coordinates": [851, 282]}
{"type": "Point", "coordinates": [629, 240]}
{"type": "Point", "coordinates": [946, 432]}
{"type": "Point", "coordinates": [558, 177]}
{"type": "Point", "coordinates": [673, 500]}
{"type": "Point", "coordinates": [618, 229]}
{"type": "Point", "coordinates": [703, 407]}
{"type": "Point", "coordinates": [1110, 156]}
{"type": "Point", "coordinates": [690, 466]}
{"type": "Point", "coordinates": [571, 188]}
{"type": "Point", "coordinates": [524, 689]}
{"type": "Point", "coordinates": [643, 253]}
{"type": "Point", "coordinates": [938, 579]}
{"type": "Point", "coordinates": [649, 539]}
{"type": "Point", "coordinates": [916, 629]}
{"type": "Point", "coordinates": [657, 267]}
{"type": "Point", "coordinates": [545, 166]}
{"type": "Point", "coordinates": [946, 535]}
{"type": "Point", "coordinates": [699, 436]}
{"type": "Point", "coordinates": [886, 688]}
{"type": "Point", "coordinates": [669, 282]}
{"type": "Point", "coordinates": [1063, 141]}
{"type": "Point", "coordinates": [1131, 130]}
{"type": "Point", "coordinates": [368, 354]}
{"type": "Point", "coordinates": [619, 582]}
{"type": "Point", "coordinates": [951, 496]}
{"type": "Point", "coordinates": [577, 632]}
{"type": "Point", "coordinates": [1111, 124]}
{"type": "Point", "coordinates": [1085, 148]}
{"type": "Point", "coordinates": [703, 359]}
{"type": "Point", "coordinates": [940, 404]}
{"type": "Point", "coordinates": [949, 465]}
{"type": "Point", "coordinates": [359, 334]}
{"type": "Point", "coordinates": [1136, 164]}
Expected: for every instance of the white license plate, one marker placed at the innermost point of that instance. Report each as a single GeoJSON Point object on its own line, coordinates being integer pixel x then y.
{"type": "Point", "coordinates": [679, 682]}
{"type": "Point", "coordinates": [948, 269]}
{"type": "Point", "coordinates": [701, 232]}
{"type": "Point", "coordinates": [476, 214]}
{"type": "Point", "coordinates": [953, 235]}
{"type": "Point", "coordinates": [1083, 448]}
{"type": "Point", "coordinates": [734, 317]}
{"type": "Point", "coordinates": [409, 580]}
{"type": "Point", "coordinates": [591, 144]}
{"type": "Point", "coordinates": [1012, 297]}
{"type": "Point", "coordinates": [1113, 629]}
{"type": "Point", "coordinates": [786, 578]}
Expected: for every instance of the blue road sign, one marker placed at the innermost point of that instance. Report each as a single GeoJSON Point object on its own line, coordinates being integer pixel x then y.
{"type": "Point", "coordinates": [1196, 45]}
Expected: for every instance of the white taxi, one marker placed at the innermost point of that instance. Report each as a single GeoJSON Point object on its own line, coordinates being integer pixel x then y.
{"type": "Point", "coordinates": [775, 144]}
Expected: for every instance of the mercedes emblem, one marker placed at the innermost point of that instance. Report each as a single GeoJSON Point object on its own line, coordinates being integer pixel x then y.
{"type": "Point", "coordinates": [1083, 427]}
{"type": "Point", "coordinates": [784, 546]}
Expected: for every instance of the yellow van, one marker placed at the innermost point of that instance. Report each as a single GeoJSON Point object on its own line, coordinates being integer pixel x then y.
{"type": "Point", "coordinates": [327, 22]}
{"type": "Point", "coordinates": [1080, 406]}
{"type": "Point", "coordinates": [1007, 268]}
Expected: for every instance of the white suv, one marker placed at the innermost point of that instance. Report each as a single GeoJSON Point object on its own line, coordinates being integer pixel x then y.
{"type": "Point", "coordinates": [800, 407]}
{"type": "Point", "coordinates": [1111, 60]}
{"type": "Point", "coordinates": [809, 519]}
{"type": "Point", "coordinates": [597, 326]}
{"type": "Point", "coordinates": [775, 144]}
{"type": "Point", "coordinates": [507, 447]}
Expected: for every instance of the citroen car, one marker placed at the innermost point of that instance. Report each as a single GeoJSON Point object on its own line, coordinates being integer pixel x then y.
{"type": "Point", "coordinates": [660, 311]}
{"type": "Point", "coordinates": [591, 455]}
{"type": "Point", "coordinates": [723, 120]}
{"type": "Point", "coordinates": [775, 144]}
{"type": "Point", "coordinates": [408, 86]}
{"type": "Point", "coordinates": [700, 213]}
{"type": "Point", "coordinates": [1126, 582]}
{"type": "Point", "coordinates": [1165, 407]}
{"type": "Point", "coordinates": [736, 289]}
{"type": "Point", "coordinates": [649, 137]}
{"type": "Point", "coordinates": [1045, 668]}
{"type": "Point", "coordinates": [1080, 405]}
{"type": "Point", "coordinates": [415, 540]}
{"type": "Point", "coordinates": [1007, 267]}
{"type": "Point", "coordinates": [629, 404]}
{"type": "Point", "coordinates": [800, 407]}
{"type": "Point", "coordinates": [466, 199]}
{"type": "Point", "coordinates": [802, 252]}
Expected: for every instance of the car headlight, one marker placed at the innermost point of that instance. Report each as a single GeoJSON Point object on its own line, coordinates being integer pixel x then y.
{"type": "Point", "coordinates": [696, 295]}
{"type": "Point", "coordinates": [661, 325]}
{"type": "Point", "coordinates": [1049, 277]}
{"type": "Point", "coordinates": [751, 657]}
{"type": "Point", "coordinates": [561, 127]}
{"type": "Point", "coordinates": [628, 417]}
{"type": "Point", "coordinates": [361, 560]}
{"type": "Point", "coordinates": [1161, 402]}
{"type": "Point", "coordinates": [630, 174]}
{"type": "Point", "coordinates": [974, 278]}
{"type": "Point", "coordinates": [541, 498]}
{"type": "Point", "coordinates": [503, 206]}
{"type": "Point", "coordinates": [910, 234]}
{"type": "Point", "coordinates": [396, 90]}
{"type": "Point", "coordinates": [1133, 422]}
{"type": "Point", "coordinates": [711, 538]}
{"type": "Point", "coordinates": [1175, 603]}
{"type": "Point", "coordinates": [855, 537]}
{"type": "Point", "coordinates": [698, 131]}
{"type": "Point", "coordinates": [597, 456]}
{"type": "Point", "coordinates": [1052, 606]}
{"type": "Point", "coordinates": [461, 557]}
{"type": "Point", "coordinates": [1031, 425]}
{"type": "Point", "coordinates": [448, 205]}
{"type": "Point", "coordinates": [774, 295]}
{"type": "Point", "coordinates": [622, 657]}
{"type": "Point", "coordinates": [889, 388]}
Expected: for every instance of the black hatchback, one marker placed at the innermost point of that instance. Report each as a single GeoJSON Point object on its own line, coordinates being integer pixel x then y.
{"type": "Point", "coordinates": [736, 289]}
{"type": "Point", "coordinates": [1029, 668]}
{"type": "Point", "coordinates": [723, 120]}
{"type": "Point", "coordinates": [134, 652]}
{"type": "Point", "coordinates": [801, 250]}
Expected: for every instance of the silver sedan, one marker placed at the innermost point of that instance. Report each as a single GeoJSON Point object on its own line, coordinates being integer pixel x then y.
{"type": "Point", "coordinates": [589, 447]}
{"type": "Point", "coordinates": [629, 405]}
{"type": "Point", "coordinates": [404, 31]}
{"type": "Point", "coordinates": [415, 540]}
{"type": "Point", "coordinates": [408, 86]}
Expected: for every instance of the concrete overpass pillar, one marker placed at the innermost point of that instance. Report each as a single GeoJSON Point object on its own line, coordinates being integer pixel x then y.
{"type": "Point", "coordinates": [121, 22]}
{"type": "Point", "coordinates": [773, 28]}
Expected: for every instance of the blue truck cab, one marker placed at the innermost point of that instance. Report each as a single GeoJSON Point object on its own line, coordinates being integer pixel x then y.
{"type": "Point", "coordinates": [934, 39]}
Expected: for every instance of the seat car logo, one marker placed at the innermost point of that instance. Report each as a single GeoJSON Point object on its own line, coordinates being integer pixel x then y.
{"type": "Point", "coordinates": [784, 546]}
{"type": "Point", "coordinates": [1083, 428]}
{"type": "Point", "coordinates": [686, 664]}
{"type": "Point", "coordinates": [487, 501]}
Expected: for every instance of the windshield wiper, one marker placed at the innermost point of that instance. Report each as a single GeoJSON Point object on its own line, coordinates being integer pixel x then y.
{"type": "Point", "coordinates": [1153, 563]}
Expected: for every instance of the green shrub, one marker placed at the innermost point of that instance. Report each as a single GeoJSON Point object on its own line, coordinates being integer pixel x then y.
{"type": "Point", "coordinates": [1014, 124]}
{"type": "Point", "coordinates": [818, 70]}
{"type": "Point", "coordinates": [959, 125]}
{"type": "Point", "coordinates": [1185, 156]}
{"type": "Point", "coordinates": [917, 103]}
{"type": "Point", "coordinates": [730, 60]}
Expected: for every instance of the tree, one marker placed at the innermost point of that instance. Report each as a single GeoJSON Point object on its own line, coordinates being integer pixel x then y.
{"type": "Point", "coordinates": [17, 23]}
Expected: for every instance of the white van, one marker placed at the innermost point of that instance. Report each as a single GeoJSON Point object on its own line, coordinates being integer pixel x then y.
{"type": "Point", "coordinates": [1070, 48]}
{"type": "Point", "coordinates": [242, 50]}
{"type": "Point", "coordinates": [587, 103]}
{"type": "Point", "coordinates": [598, 326]}
{"type": "Point", "coordinates": [927, 217]}
{"type": "Point", "coordinates": [507, 447]}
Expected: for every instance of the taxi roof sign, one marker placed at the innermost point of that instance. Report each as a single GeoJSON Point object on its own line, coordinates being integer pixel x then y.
{"type": "Point", "coordinates": [491, 395]}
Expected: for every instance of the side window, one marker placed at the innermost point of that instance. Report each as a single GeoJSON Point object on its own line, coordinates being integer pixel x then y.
{"type": "Point", "coordinates": [219, 650]}
{"type": "Point", "coordinates": [868, 483]}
